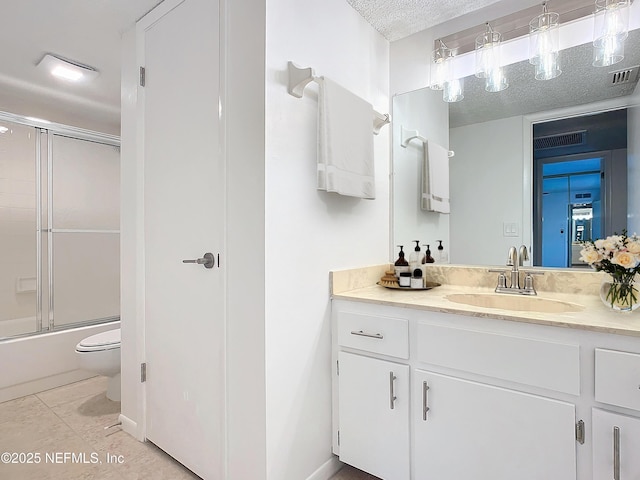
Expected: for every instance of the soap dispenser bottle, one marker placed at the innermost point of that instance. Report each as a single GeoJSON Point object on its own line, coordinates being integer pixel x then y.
{"type": "Point", "coordinates": [427, 256]}
{"type": "Point", "coordinates": [442, 255]}
{"type": "Point", "coordinates": [401, 264]}
{"type": "Point", "coordinates": [415, 258]}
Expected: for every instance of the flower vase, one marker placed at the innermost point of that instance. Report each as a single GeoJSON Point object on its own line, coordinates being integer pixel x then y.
{"type": "Point", "coordinates": [620, 294]}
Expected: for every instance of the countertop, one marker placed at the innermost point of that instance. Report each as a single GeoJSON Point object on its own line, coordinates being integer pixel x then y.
{"type": "Point", "coordinates": [360, 285]}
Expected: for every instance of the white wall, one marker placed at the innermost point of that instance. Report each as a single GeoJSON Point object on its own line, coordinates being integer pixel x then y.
{"type": "Point", "coordinates": [633, 164]}
{"type": "Point", "coordinates": [484, 194]}
{"type": "Point", "coordinates": [244, 103]}
{"type": "Point", "coordinates": [131, 251]}
{"type": "Point", "coordinates": [424, 111]}
{"type": "Point", "coordinates": [309, 232]}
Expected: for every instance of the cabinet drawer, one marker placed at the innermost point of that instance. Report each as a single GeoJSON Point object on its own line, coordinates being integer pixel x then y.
{"type": "Point", "coordinates": [618, 378]}
{"type": "Point", "coordinates": [376, 334]}
{"type": "Point", "coordinates": [538, 363]}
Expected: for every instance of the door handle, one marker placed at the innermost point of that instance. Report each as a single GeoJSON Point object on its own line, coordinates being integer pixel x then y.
{"type": "Point", "coordinates": [425, 401]}
{"type": "Point", "coordinates": [392, 395]}
{"type": "Point", "coordinates": [207, 260]}
{"type": "Point", "coordinates": [616, 453]}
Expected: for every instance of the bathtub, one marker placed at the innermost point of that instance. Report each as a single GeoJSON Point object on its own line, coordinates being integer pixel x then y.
{"type": "Point", "coordinates": [17, 326]}
{"type": "Point", "coordinates": [40, 362]}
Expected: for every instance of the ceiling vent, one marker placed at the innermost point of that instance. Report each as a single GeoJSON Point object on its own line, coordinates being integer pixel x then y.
{"type": "Point", "coordinates": [628, 75]}
{"type": "Point", "coordinates": [569, 139]}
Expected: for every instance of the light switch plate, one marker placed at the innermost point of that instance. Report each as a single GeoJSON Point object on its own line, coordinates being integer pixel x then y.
{"type": "Point", "coordinates": [510, 229]}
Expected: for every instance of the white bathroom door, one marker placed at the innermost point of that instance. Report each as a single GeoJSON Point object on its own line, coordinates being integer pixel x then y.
{"type": "Point", "coordinates": [183, 173]}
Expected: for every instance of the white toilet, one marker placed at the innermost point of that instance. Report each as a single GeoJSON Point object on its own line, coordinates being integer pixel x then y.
{"type": "Point", "coordinates": [100, 354]}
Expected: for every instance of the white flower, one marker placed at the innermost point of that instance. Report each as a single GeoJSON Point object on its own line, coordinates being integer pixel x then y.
{"type": "Point", "coordinates": [612, 243]}
{"type": "Point", "coordinates": [625, 259]}
{"type": "Point", "coordinates": [633, 246]}
{"type": "Point", "coordinates": [590, 255]}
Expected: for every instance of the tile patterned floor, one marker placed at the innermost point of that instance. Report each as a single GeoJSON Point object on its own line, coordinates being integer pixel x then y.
{"type": "Point", "coordinates": [61, 431]}
{"type": "Point", "coordinates": [71, 420]}
{"type": "Point", "coordinates": [350, 473]}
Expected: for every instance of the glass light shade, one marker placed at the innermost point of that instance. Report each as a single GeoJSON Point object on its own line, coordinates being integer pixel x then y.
{"type": "Point", "coordinates": [453, 90]}
{"type": "Point", "coordinates": [439, 68]}
{"type": "Point", "coordinates": [488, 47]}
{"type": "Point", "coordinates": [487, 53]}
{"type": "Point", "coordinates": [611, 28]}
{"type": "Point", "coordinates": [495, 80]}
{"type": "Point", "coordinates": [548, 67]}
{"type": "Point", "coordinates": [543, 45]}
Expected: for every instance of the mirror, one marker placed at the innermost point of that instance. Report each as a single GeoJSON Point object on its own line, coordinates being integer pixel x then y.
{"type": "Point", "coordinates": [491, 134]}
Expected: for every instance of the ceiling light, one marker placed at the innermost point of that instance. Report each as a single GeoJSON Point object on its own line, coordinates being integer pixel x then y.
{"type": "Point", "coordinates": [439, 70]}
{"type": "Point", "coordinates": [611, 30]}
{"type": "Point", "coordinates": [3, 129]}
{"type": "Point", "coordinates": [543, 44]}
{"type": "Point", "coordinates": [67, 69]}
{"type": "Point", "coordinates": [453, 88]}
{"type": "Point", "coordinates": [488, 60]}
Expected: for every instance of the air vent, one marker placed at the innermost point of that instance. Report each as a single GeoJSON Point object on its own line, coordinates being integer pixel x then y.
{"type": "Point", "coordinates": [628, 75]}
{"type": "Point", "coordinates": [569, 139]}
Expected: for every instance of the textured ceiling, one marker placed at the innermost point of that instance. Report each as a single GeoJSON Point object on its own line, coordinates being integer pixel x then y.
{"type": "Point", "coordinates": [396, 19]}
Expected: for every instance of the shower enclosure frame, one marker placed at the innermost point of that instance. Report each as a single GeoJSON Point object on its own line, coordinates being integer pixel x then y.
{"type": "Point", "coordinates": [50, 129]}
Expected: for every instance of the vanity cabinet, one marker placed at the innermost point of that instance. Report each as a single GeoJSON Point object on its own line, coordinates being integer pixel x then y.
{"type": "Point", "coordinates": [482, 398]}
{"type": "Point", "coordinates": [616, 436]}
{"type": "Point", "coordinates": [374, 415]}
{"type": "Point", "coordinates": [465, 429]}
{"type": "Point", "coordinates": [616, 446]}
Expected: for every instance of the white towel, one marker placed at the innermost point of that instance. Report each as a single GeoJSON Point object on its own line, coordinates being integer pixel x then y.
{"type": "Point", "coordinates": [435, 178]}
{"type": "Point", "coordinates": [345, 142]}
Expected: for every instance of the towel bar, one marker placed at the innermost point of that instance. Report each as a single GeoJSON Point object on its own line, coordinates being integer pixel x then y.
{"type": "Point", "coordinates": [407, 135]}
{"type": "Point", "coordinates": [300, 77]}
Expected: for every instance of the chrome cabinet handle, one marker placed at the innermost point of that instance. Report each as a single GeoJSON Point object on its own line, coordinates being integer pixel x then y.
{"type": "Point", "coordinates": [425, 402]}
{"type": "Point", "coordinates": [392, 396]}
{"type": "Point", "coordinates": [616, 453]}
{"type": "Point", "coordinates": [379, 336]}
{"type": "Point", "coordinates": [207, 260]}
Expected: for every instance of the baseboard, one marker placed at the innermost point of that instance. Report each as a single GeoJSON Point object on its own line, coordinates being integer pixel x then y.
{"type": "Point", "coordinates": [42, 384]}
{"type": "Point", "coordinates": [327, 470]}
{"type": "Point", "coordinates": [129, 426]}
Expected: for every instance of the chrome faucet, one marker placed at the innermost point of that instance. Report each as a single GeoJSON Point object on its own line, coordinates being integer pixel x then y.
{"type": "Point", "coordinates": [515, 259]}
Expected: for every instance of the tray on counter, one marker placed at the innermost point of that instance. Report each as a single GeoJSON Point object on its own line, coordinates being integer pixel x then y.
{"type": "Point", "coordinates": [428, 286]}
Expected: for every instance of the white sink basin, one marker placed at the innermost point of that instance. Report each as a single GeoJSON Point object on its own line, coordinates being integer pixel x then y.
{"type": "Point", "coordinates": [514, 302]}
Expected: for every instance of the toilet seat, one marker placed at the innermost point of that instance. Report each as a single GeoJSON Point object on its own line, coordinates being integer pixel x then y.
{"type": "Point", "coordinates": [108, 340]}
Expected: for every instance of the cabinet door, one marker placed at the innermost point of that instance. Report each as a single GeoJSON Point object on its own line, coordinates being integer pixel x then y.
{"type": "Point", "coordinates": [468, 430]}
{"type": "Point", "coordinates": [616, 446]}
{"type": "Point", "coordinates": [374, 415]}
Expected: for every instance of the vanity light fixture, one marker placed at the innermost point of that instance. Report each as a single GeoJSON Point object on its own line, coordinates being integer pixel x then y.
{"type": "Point", "coordinates": [453, 88]}
{"type": "Point", "coordinates": [440, 65]}
{"type": "Point", "coordinates": [611, 28]}
{"type": "Point", "coordinates": [543, 44]}
{"type": "Point", "coordinates": [68, 70]}
{"type": "Point", "coordinates": [488, 66]}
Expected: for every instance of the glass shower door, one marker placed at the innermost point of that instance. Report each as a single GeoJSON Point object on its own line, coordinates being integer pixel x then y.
{"type": "Point", "coordinates": [84, 237]}
{"type": "Point", "coordinates": [18, 259]}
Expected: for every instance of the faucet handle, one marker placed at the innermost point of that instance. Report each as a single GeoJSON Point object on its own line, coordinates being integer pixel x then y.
{"type": "Point", "coordinates": [528, 282]}
{"type": "Point", "coordinates": [502, 279]}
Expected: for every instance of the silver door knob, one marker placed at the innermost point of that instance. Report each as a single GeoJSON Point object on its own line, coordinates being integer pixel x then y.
{"type": "Point", "coordinates": [207, 260]}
